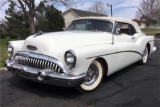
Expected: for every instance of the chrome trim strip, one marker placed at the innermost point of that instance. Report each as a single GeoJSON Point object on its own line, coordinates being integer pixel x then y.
{"type": "Point", "coordinates": [117, 53]}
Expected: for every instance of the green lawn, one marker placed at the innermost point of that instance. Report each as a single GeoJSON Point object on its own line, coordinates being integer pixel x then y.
{"type": "Point", "coordinates": [151, 31]}
{"type": "Point", "coordinates": [3, 52]}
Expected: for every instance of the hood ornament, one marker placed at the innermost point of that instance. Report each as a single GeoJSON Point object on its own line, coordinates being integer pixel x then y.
{"type": "Point", "coordinates": [31, 47]}
{"type": "Point", "coordinates": [38, 33]}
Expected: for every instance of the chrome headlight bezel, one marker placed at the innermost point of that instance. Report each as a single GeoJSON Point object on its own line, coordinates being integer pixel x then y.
{"type": "Point", "coordinates": [10, 50]}
{"type": "Point", "coordinates": [70, 59]}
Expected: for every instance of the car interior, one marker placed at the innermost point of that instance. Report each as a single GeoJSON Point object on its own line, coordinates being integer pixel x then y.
{"type": "Point", "coordinates": [126, 29]}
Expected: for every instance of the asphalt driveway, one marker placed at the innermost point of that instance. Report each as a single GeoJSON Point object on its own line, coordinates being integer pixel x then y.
{"type": "Point", "coordinates": [134, 86]}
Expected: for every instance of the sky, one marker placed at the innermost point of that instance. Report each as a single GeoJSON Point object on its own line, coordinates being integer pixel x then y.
{"type": "Point", "coordinates": [121, 8]}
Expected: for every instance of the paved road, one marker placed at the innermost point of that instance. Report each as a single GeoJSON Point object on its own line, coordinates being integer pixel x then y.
{"type": "Point", "coordinates": [134, 86]}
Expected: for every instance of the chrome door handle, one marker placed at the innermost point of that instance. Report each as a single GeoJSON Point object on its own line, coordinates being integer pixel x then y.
{"type": "Point", "coordinates": [132, 38]}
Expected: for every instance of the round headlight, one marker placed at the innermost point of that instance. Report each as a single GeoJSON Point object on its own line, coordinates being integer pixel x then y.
{"type": "Point", "coordinates": [70, 59]}
{"type": "Point", "coordinates": [9, 50]}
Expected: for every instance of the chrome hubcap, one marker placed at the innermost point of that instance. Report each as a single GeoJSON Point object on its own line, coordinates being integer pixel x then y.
{"type": "Point", "coordinates": [92, 75]}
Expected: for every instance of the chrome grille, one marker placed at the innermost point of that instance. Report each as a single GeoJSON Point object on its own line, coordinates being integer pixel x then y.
{"type": "Point", "coordinates": [37, 63]}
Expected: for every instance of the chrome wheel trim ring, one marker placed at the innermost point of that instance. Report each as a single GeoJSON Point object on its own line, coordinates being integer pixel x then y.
{"type": "Point", "coordinates": [145, 56]}
{"type": "Point", "coordinates": [92, 75]}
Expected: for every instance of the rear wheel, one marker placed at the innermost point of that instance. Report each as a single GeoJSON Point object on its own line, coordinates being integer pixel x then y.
{"type": "Point", "coordinates": [145, 56]}
{"type": "Point", "coordinates": [93, 77]}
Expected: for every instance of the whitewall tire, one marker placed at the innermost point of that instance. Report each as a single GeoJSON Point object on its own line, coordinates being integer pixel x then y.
{"type": "Point", "coordinates": [145, 56]}
{"type": "Point", "coordinates": [93, 77]}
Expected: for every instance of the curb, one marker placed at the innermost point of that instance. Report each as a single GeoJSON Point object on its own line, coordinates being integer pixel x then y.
{"type": "Point", "coordinates": [2, 69]}
{"type": "Point", "coordinates": [157, 39]}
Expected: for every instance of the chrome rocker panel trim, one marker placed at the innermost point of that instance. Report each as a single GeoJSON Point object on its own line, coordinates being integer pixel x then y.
{"type": "Point", "coordinates": [45, 75]}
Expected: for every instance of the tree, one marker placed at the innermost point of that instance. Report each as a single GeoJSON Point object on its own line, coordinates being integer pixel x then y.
{"type": "Point", "coordinates": [48, 18]}
{"type": "Point", "coordinates": [156, 13]}
{"type": "Point", "coordinates": [2, 34]}
{"type": "Point", "coordinates": [15, 25]}
{"type": "Point", "coordinates": [98, 7]}
{"type": "Point", "coordinates": [150, 9]}
{"type": "Point", "coordinates": [66, 3]}
{"type": "Point", "coordinates": [55, 22]}
{"type": "Point", "coordinates": [40, 17]}
{"type": "Point", "coordinates": [28, 8]}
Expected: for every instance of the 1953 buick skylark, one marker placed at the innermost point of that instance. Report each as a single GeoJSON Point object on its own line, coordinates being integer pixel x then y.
{"type": "Point", "coordinates": [79, 56]}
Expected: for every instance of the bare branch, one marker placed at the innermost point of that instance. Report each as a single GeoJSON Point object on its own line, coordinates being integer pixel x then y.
{"type": "Point", "coordinates": [2, 4]}
{"type": "Point", "coordinates": [66, 3]}
{"type": "Point", "coordinates": [23, 7]}
{"type": "Point", "coordinates": [16, 4]}
{"type": "Point", "coordinates": [44, 2]}
{"type": "Point", "coordinates": [150, 9]}
{"type": "Point", "coordinates": [98, 7]}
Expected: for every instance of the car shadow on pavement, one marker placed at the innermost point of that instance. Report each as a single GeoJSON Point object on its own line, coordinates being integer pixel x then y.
{"type": "Point", "coordinates": [45, 90]}
{"type": "Point", "coordinates": [119, 73]}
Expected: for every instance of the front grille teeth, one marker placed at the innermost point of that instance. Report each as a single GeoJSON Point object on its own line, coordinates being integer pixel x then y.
{"type": "Point", "coordinates": [38, 64]}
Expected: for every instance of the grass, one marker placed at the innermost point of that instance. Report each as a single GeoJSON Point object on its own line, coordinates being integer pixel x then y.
{"type": "Point", "coordinates": [3, 51]}
{"type": "Point", "coordinates": [151, 31]}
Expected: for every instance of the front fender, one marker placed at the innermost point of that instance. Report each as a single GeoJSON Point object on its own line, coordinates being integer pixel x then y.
{"type": "Point", "coordinates": [143, 41]}
{"type": "Point", "coordinates": [17, 46]}
{"type": "Point", "coordinates": [83, 55]}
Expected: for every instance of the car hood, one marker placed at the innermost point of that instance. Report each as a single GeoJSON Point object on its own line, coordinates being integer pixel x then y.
{"type": "Point", "coordinates": [54, 43]}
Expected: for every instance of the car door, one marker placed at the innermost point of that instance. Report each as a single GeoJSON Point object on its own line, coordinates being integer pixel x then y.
{"type": "Point", "coordinates": [125, 38]}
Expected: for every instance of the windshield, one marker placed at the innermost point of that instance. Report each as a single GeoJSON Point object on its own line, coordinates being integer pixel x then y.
{"type": "Point", "coordinates": [88, 24]}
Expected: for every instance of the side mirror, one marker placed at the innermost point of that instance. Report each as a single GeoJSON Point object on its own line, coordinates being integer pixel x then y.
{"type": "Point", "coordinates": [118, 30]}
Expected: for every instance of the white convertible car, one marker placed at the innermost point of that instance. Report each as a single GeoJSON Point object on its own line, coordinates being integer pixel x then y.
{"type": "Point", "coordinates": [79, 56]}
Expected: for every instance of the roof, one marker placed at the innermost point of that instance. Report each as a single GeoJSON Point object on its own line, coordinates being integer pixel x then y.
{"type": "Point", "coordinates": [82, 13]}
{"type": "Point", "coordinates": [117, 19]}
{"type": "Point", "coordinates": [136, 20]}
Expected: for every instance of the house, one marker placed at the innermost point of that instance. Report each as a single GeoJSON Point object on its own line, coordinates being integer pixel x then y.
{"type": "Point", "coordinates": [140, 23]}
{"type": "Point", "coordinates": [147, 22]}
{"type": "Point", "coordinates": [158, 24]}
{"type": "Point", "coordinates": [72, 14]}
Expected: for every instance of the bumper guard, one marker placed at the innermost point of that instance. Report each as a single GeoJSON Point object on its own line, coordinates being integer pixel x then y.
{"type": "Point", "coordinates": [44, 76]}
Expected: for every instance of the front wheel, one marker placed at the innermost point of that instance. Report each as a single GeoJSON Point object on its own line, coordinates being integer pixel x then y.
{"type": "Point", "coordinates": [145, 56]}
{"type": "Point", "coordinates": [93, 77]}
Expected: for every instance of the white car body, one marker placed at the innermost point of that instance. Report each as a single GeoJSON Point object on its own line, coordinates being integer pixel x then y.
{"type": "Point", "coordinates": [114, 51]}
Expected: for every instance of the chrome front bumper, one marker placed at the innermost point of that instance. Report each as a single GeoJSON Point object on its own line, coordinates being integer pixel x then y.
{"type": "Point", "coordinates": [153, 49]}
{"type": "Point", "coordinates": [45, 75]}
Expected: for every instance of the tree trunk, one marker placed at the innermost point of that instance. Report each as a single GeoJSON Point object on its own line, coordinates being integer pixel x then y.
{"type": "Point", "coordinates": [147, 22]}
{"type": "Point", "coordinates": [32, 26]}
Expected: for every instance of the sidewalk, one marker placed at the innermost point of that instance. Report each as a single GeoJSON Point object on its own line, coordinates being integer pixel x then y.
{"type": "Point", "coordinates": [2, 69]}
{"type": "Point", "coordinates": [157, 39]}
